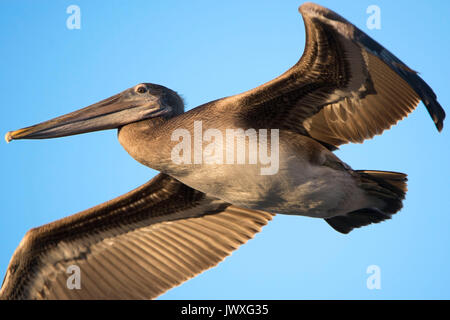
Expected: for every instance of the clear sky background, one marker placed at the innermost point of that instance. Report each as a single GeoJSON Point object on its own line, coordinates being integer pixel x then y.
{"type": "Point", "coordinates": [207, 50]}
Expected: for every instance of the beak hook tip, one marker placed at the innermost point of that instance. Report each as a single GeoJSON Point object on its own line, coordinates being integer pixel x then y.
{"type": "Point", "coordinates": [8, 137]}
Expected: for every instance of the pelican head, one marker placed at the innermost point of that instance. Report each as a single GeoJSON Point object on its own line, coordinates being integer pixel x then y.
{"type": "Point", "coordinates": [143, 101]}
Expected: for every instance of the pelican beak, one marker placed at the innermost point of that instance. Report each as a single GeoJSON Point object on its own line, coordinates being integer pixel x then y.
{"type": "Point", "coordinates": [114, 112]}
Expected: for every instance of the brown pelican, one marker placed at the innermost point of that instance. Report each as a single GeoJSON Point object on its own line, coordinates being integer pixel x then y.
{"type": "Point", "coordinates": [345, 88]}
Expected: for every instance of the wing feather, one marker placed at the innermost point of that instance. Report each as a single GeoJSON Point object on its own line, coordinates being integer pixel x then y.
{"type": "Point", "coordinates": [345, 88]}
{"type": "Point", "coordinates": [134, 247]}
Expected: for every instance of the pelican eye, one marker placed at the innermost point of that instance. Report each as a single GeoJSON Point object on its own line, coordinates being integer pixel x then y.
{"type": "Point", "coordinates": [141, 89]}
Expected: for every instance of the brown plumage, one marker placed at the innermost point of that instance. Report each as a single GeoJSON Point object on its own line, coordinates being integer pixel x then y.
{"type": "Point", "coordinates": [345, 88]}
{"type": "Point", "coordinates": [134, 247]}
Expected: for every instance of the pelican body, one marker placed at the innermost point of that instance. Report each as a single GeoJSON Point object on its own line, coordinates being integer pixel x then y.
{"type": "Point", "coordinates": [306, 182]}
{"type": "Point", "coordinates": [346, 88]}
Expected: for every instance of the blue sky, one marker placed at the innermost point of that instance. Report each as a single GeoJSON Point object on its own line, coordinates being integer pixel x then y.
{"type": "Point", "coordinates": [207, 50]}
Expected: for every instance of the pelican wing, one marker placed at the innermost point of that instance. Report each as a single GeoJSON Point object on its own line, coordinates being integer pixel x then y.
{"type": "Point", "coordinates": [134, 247]}
{"type": "Point", "coordinates": [345, 88]}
